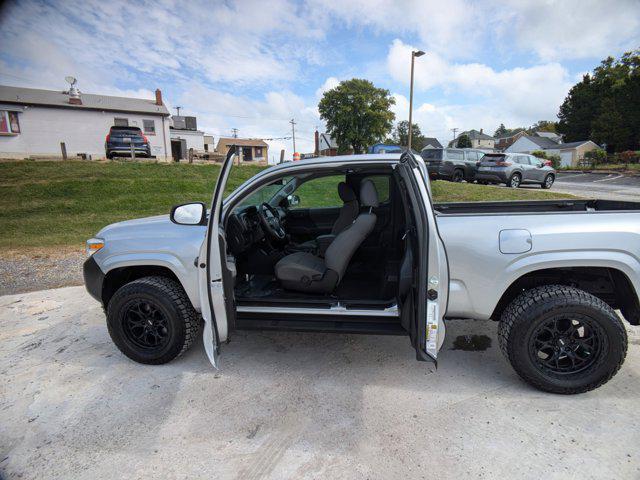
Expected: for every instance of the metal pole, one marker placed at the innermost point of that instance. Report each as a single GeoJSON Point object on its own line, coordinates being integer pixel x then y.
{"type": "Point", "coordinates": [293, 132]}
{"type": "Point", "coordinates": [413, 57]}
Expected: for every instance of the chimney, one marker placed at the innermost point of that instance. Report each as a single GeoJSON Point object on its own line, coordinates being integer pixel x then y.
{"type": "Point", "coordinates": [74, 96]}
{"type": "Point", "coordinates": [316, 152]}
{"type": "Point", "coordinates": [480, 131]}
{"type": "Point", "coordinates": [158, 97]}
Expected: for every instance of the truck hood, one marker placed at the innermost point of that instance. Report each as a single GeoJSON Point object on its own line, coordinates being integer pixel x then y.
{"type": "Point", "coordinates": [151, 228]}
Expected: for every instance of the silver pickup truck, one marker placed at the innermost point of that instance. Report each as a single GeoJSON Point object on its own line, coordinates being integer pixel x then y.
{"type": "Point", "coordinates": [355, 244]}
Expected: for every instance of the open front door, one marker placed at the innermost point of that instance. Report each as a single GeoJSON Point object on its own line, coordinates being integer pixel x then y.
{"type": "Point", "coordinates": [217, 307]}
{"type": "Point", "coordinates": [431, 278]}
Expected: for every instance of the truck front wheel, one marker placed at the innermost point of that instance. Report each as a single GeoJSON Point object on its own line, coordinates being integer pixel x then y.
{"type": "Point", "coordinates": [561, 339]}
{"type": "Point", "coordinates": [151, 320]}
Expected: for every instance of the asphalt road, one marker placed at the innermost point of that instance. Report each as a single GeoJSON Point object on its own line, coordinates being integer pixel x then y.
{"type": "Point", "coordinates": [293, 406]}
{"type": "Point", "coordinates": [599, 185]}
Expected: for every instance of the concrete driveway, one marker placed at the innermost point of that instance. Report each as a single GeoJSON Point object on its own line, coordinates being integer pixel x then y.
{"type": "Point", "coordinates": [292, 406]}
{"type": "Point", "coordinates": [607, 186]}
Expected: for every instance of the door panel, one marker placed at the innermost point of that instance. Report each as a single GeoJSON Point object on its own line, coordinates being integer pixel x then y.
{"type": "Point", "coordinates": [431, 287]}
{"type": "Point", "coordinates": [214, 303]}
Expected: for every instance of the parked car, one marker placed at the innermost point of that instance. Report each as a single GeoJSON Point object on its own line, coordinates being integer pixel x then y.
{"type": "Point", "coordinates": [274, 256]}
{"type": "Point", "coordinates": [515, 169]}
{"type": "Point", "coordinates": [455, 164]}
{"type": "Point", "coordinates": [119, 140]}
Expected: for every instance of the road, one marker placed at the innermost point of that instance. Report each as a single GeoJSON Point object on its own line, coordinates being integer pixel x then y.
{"type": "Point", "coordinates": [599, 185]}
{"type": "Point", "coordinates": [292, 406]}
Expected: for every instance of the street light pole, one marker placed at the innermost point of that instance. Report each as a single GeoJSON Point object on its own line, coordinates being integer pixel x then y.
{"type": "Point", "coordinates": [414, 54]}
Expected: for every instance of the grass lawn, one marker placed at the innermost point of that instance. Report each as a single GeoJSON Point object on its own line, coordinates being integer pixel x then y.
{"type": "Point", "coordinates": [59, 204]}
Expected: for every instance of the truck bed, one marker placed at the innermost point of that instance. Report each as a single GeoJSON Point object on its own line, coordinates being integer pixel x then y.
{"type": "Point", "coordinates": [539, 206]}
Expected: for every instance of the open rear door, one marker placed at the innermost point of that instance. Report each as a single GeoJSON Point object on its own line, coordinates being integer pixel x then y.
{"type": "Point", "coordinates": [217, 307]}
{"type": "Point", "coordinates": [431, 279]}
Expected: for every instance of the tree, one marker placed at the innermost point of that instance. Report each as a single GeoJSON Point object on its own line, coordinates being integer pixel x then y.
{"type": "Point", "coordinates": [605, 105]}
{"type": "Point", "coordinates": [501, 131]}
{"type": "Point", "coordinates": [400, 136]}
{"type": "Point", "coordinates": [357, 114]}
{"type": "Point", "coordinates": [463, 141]}
{"type": "Point", "coordinates": [543, 126]}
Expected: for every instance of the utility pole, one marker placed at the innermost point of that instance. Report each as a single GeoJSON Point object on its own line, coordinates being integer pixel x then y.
{"type": "Point", "coordinates": [293, 134]}
{"type": "Point", "coordinates": [454, 130]}
{"type": "Point", "coordinates": [235, 132]}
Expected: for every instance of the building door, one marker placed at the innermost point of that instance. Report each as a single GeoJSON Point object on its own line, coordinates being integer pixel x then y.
{"type": "Point", "coordinates": [247, 154]}
{"type": "Point", "coordinates": [178, 149]}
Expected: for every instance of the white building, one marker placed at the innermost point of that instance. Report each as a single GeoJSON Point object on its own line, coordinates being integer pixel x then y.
{"type": "Point", "coordinates": [34, 123]}
{"type": "Point", "coordinates": [570, 153]}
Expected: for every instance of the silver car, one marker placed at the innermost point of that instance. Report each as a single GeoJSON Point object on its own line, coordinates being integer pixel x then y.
{"type": "Point", "coordinates": [514, 169]}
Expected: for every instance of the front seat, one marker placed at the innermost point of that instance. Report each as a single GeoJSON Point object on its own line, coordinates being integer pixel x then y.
{"type": "Point", "coordinates": [346, 216]}
{"type": "Point", "coordinates": [305, 272]}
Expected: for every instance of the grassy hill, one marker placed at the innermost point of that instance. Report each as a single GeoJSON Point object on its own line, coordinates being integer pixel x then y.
{"type": "Point", "coordinates": [49, 204]}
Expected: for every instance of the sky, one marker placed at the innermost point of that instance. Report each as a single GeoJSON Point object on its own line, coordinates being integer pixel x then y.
{"type": "Point", "coordinates": [254, 65]}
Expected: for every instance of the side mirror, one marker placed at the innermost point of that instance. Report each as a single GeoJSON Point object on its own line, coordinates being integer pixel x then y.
{"type": "Point", "coordinates": [189, 214]}
{"type": "Point", "coordinates": [293, 200]}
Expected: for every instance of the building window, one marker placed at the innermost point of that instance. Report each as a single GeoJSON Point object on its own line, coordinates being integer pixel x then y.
{"type": "Point", "coordinates": [149, 127]}
{"type": "Point", "coordinates": [120, 122]}
{"type": "Point", "coordinates": [9, 122]}
{"type": "Point", "coordinates": [258, 152]}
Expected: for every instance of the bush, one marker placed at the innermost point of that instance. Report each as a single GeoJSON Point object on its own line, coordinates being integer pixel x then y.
{"type": "Point", "coordinates": [539, 154]}
{"type": "Point", "coordinates": [596, 156]}
{"type": "Point", "coordinates": [555, 161]}
{"type": "Point", "coordinates": [628, 156]}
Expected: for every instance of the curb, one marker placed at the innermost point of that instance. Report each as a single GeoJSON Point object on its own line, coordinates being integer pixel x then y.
{"type": "Point", "coordinates": [608, 172]}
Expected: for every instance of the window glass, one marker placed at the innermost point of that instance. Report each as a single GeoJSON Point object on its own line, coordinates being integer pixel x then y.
{"type": "Point", "coordinates": [149, 127]}
{"type": "Point", "coordinates": [432, 154]}
{"type": "Point", "coordinates": [9, 122]}
{"type": "Point", "coordinates": [382, 186]}
{"type": "Point", "coordinates": [471, 155]}
{"type": "Point", "coordinates": [121, 122]}
{"type": "Point", "coordinates": [455, 155]}
{"type": "Point", "coordinates": [320, 192]}
{"type": "Point", "coordinates": [264, 193]}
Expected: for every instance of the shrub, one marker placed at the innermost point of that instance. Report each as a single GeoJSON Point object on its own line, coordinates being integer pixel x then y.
{"type": "Point", "coordinates": [539, 154]}
{"type": "Point", "coordinates": [555, 161]}
{"type": "Point", "coordinates": [628, 156]}
{"type": "Point", "coordinates": [596, 156]}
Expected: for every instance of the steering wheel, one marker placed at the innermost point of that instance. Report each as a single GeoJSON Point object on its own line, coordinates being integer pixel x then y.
{"type": "Point", "coordinates": [270, 220]}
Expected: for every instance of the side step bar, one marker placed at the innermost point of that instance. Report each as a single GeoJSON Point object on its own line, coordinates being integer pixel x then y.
{"type": "Point", "coordinates": [391, 312]}
{"type": "Point", "coordinates": [319, 325]}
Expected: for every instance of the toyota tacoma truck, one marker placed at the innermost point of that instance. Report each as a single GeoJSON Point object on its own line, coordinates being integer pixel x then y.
{"type": "Point", "coordinates": [355, 244]}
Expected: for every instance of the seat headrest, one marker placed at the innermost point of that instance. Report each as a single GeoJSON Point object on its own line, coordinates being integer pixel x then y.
{"type": "Point", "coordinates": [346, 192]}
{"type": "Point", "coordinates": [368, 194]}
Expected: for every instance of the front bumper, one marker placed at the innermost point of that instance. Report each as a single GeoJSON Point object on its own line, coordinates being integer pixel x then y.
{"type": "Point", "coordinates": [93, 278]}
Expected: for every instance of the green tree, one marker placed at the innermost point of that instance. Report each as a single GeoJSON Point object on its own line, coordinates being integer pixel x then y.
{"type": "Point", "coordinates": [357, 114]}
{"type": "Point", "coordinates": [400, 136]}
{"type": "Point", "coordinates": [543, 126]}
{"type": "Point", "coordinates": [605, 105]}
{"type": "Point", "coordinates": [463, 141]}
{"type": "Point", "coordinates": [501, 131]}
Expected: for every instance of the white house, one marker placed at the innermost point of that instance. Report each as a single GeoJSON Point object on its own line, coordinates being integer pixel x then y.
{"type": "Point", "coordinates": [478, 139]}
{"type": "Point", "coordinates": [34, 123]}
{"type": "Point", "coordinates": [570, 153]}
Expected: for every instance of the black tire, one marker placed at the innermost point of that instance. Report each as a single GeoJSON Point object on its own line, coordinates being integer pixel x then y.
{"type": "Point", "coordinates": [458, 175]}
{"type": "Point", "coordinates": [548, 181]}
{"type": "Point", "coordinates": [173, 319]}
{"type": "Point", "coordinates": [514, 180]}
{"type": "Point", "coordinates": [524, 335]}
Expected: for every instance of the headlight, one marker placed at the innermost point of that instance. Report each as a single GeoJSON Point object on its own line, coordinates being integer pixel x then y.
{"type": "Point", "coordinates": [93, 245]}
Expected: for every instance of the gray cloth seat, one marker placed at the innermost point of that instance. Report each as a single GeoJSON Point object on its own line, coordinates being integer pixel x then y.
{"type": "Point", "coordinates": [306, 272]}
{"type": "Point", "coordinates": [346, 216]}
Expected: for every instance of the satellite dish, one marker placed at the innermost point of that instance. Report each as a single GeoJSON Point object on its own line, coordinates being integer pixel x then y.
{"type": "Point", "coordinates": [71, 80]}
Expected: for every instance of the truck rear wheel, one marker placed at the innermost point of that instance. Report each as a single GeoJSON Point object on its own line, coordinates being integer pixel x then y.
{"type": "Point", "coordinates": [562, 340]}
{"type": "Point", "coordinates": [151, 320]}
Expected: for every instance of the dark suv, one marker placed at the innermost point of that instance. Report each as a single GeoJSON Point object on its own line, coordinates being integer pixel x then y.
{"type": "Point", "coordinates": [119, 140]}
{"type": "Point", "coordinates": [455, 164]}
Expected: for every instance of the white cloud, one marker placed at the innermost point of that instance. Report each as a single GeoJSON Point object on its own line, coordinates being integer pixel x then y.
{"type": "Point", "coordinates": [517, 96]}
{"type": "Point", "coordinates": [329, 83]}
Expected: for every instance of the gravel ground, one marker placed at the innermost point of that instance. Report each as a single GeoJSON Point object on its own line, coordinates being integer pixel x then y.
{"type": "Point", "coordinates": [37, 270]}
{"type": "Point", "coordinates": [293, 405]}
